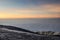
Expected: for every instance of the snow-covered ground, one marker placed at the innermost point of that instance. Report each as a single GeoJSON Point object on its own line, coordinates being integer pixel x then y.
{"type": "Point", "coordinates": [7, 34]}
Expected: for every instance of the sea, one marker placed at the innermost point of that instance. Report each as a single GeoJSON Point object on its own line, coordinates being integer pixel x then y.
{"type": "Point", "coordinates": [34, 24]}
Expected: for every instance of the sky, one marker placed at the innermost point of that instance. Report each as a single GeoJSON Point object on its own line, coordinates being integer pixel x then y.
{"type": "Point", "coordinates": [29, 8]}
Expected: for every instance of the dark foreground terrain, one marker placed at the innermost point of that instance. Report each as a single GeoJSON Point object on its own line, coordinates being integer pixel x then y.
{"type": "Point", "coordinates": [7, 34]}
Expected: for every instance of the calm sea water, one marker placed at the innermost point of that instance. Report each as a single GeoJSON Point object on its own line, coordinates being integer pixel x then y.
{"type": "Point", "coordinates": [52, 24]}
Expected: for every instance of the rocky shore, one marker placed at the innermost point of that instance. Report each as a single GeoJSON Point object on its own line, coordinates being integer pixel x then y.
{"type": "Point", "coordinates": [9, 34]}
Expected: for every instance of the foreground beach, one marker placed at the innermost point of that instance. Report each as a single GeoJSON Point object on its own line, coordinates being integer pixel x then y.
{"type": "Point", "coordinates": [7, 34]}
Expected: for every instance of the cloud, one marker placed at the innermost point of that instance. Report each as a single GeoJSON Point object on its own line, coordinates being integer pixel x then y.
{"type": "Point", "coordinates": [43, 9]}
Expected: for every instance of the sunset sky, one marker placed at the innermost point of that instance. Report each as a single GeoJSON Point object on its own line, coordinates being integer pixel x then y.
{"type": "Point", "coordinates": [29, 8]}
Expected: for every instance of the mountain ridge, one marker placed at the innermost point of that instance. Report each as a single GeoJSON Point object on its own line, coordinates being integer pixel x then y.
{"type": "Point", "coordinates": [15, 28]}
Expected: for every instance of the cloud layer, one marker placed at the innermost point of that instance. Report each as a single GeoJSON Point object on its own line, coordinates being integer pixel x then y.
{"type": "Point", "coordinates": [29, 9]}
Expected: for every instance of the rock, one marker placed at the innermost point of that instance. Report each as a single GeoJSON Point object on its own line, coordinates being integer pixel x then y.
{"type": "Point", "coordinates": [21, 35]}
{"type": "Point", "coordinates": [6, 35]}
{"type": "Point", "coordinates": [48, 33]}
{"type": "Point", "coordinates": [15, 28]}
{"type": "Point", "coordinates": [56, 33]}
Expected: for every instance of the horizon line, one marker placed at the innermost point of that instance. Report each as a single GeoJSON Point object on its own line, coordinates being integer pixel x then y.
{"type": "Point", "coordinates": [25, 18]}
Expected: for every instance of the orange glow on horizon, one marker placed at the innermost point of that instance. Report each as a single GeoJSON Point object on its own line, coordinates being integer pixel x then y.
{"type": "Point", "coordinates": [47, 11]}
{"type": "Point", "coordinates": [29, 16]}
